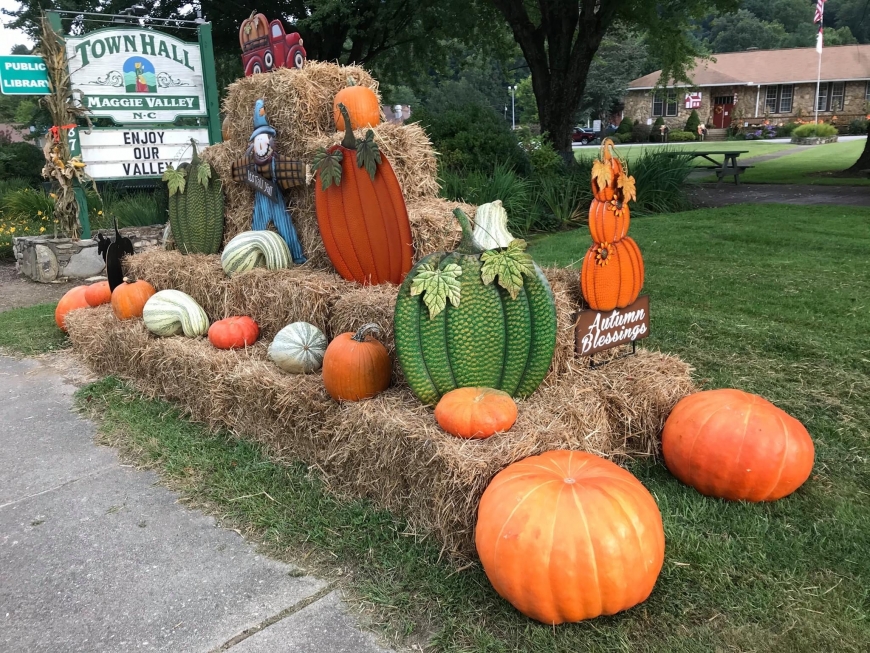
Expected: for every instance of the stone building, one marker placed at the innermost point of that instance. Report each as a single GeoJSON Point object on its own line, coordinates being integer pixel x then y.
{"type": "Point", "coordinates": [751, 87]}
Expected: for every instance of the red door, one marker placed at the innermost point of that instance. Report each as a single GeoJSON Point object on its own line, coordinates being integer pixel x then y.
{"type": "Point", "coordinates": [723, 107]}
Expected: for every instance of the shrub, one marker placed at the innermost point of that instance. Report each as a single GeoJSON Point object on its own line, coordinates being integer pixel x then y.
{"type": "Point", "coordinates": [472, 138]}
{"type": "Point", "coordinates": [858, 126]}
{"type": "Point", "coordinates": [21, 160]}
{"type": "Point", "coordinates": [625, 126]}
{"type": "Point", "coordinates": [785, 130]}
{"type": "Point", "coordinates": [563, 199]}
{"type": "Point", "coordinates": [822, 130]}
{"type": "Point", "coordinates": [478, 187]}
{"type": "Point", "coordinates": [659, 122]}
{"type": "Point", "coordinates": [681, 137]}
{"type": "Point", "coordinates": [693, 122]}
{"type": "Point", "coordinates": [640, 133]}
{"type": "Point", "coordinates": [543, 157]}
{"type": "Point", "coordinates": [660, 175]}
{"type": "Point", "coordinates": [137, 209]}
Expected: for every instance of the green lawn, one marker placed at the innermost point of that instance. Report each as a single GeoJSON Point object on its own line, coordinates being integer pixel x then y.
{"type": "Point", "coordinates": [632, 152]}
{"type": "Point", "coordinates": [31, 330]}
{"type": "Point", "coordinates": [772, 299]}
{"type": "Point", "coordinates": [810, 166]}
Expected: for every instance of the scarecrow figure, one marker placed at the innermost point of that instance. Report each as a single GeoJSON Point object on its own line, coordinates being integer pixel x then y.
{"type": "Point", "coordinates": [267, 173]}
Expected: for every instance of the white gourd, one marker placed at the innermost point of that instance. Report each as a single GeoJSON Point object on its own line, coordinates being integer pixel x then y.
{"type": "Point", "coordinates": [490, 227]}
{"type": "Point", "coordinates": [253, 249]}
{"type": "Point", "coordinates": [171, 312]}
{"type": "Point", "coordinates": [298, 348]}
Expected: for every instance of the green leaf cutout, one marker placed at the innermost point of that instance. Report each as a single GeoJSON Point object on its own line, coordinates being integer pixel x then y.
{"type": "Point", "coordinates": [175, 179]}
{"type": "Point", "coordinates": [203, 174]}
{"type": "Point", "coordinates": [438, 286]}
{"type": "Point", "coordinates": [509, 265]}
{"type": "Point", "coordinates": [368, 154]}
{"type": "Point", "coordinates": [328, 165]}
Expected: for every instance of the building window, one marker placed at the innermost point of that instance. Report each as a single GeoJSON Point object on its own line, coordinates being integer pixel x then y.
{"type": "Point", "coordinates": [822, 99]}
{"type": "Point", "coordinates": [770, 102]}
{"type": "Point", "coordinates": [658, 105]}
{"type": "Point", "coordinates": [671, 109]}
{"type": "Point", "coordinates": [838, 92]}
{"type": "Point", "coordinates": [786, 93]}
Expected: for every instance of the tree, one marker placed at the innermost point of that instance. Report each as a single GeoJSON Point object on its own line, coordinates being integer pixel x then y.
{"type": "Point", "coordinates": [618, 61]}
{"type": "Point", "coordinates": [559, 39]}
{"type": "Point", "coordinates": [743, 30]}
{"type": "Point", "coordinates": [863, 162]}
{"type": "Point", "coordinates": [527, 108]}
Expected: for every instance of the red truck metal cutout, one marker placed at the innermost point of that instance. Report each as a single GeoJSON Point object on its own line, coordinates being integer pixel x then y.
{"type": "Point", "coordinates": [266, 46]}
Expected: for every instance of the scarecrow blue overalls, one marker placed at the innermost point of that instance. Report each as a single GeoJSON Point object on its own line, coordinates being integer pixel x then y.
{"type": "Point", "coordinates": [270, 169]}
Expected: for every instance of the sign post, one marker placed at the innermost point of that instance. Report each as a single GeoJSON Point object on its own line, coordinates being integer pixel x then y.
{"type": "Point", "coordinates": [209, 77]}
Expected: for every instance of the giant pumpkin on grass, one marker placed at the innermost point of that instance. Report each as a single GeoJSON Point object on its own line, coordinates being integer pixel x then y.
{"type": "Point", "coordinates": [456, 326]}
{"type": "Point", "coordinates": [567, 536]}
{"type": "Point", "coordinates": [361, 212]}
{"type": "Point", "coordinates": [612, 274]}
{"type": "Point", "coordinates": [356, 366]}
{"type": "Point", "coordinates": [736, 445]}
{"type": "Point", "coordinates": [72, 300]}
{"type": "Point", "coordinates": [128, 299]}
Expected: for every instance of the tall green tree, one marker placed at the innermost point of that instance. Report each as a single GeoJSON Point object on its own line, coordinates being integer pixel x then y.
{"type": "Point", "coordinates": [559, 39]}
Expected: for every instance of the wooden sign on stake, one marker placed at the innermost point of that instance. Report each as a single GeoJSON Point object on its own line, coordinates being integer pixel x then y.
{"type": "Point", "coordinates": [599, 330]}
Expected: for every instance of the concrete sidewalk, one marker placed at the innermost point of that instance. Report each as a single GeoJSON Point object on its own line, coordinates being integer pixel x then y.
{"type": "Point", "coordinates": [95, 556]}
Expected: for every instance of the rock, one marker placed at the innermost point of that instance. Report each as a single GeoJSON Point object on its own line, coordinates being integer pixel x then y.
{"type": "Point", "coordinates": [84, 264]}
{"type": "Point", "coordinates": [39, 263]}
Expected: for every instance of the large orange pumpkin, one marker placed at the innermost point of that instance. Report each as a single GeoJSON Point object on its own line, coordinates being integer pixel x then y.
{"type": "Point", "coordinates": [98, 293]}
{"type": "Point", "coordinates": [233, 332]}
{"type": "Point", "coordinates": [362, 105]}
{"type": "Point", "coordinates": [361, 213]}
{"type": "Point", "coordinates": [608, 221]}
{"type": "Point", "coordinates": [736, 445]}
{"type": "Point", "coordinates": [567, 536]}
{"type": "Point", "coordinates": [72, 300]}
{"type": "Point", "coordinates": [475, 412]}
{"type": "Point", "coordinates": [356, 366]}
{"type": "Point", "coordinates": [612, 274]}
{"type": "Point", "coordinates": [129, 298]}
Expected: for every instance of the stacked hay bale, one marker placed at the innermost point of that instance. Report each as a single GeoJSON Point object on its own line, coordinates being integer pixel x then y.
{"type": "Point", "coordinates": [299, 106]}
{"type": "Point", "coordinates": [387, 449]}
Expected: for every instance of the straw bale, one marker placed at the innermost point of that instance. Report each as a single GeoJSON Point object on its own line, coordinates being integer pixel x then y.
{"type": "Point", "coordinates": [388, 449]}
{"type": "Point", "coordinates": [298, 103]}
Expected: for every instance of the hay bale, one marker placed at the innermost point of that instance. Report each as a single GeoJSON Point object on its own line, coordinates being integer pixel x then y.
{"type": "Point", "coordinates": [388, 449]}
{"type": "Point", "coordinates": [298, 102]}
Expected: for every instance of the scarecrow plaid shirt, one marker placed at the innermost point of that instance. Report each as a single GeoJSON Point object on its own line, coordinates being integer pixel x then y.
{"type": "Point", "coordinates": [289, 172]}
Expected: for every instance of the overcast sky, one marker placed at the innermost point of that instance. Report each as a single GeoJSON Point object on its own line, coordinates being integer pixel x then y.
{"type": "Point", "coordinates": [9, 37]}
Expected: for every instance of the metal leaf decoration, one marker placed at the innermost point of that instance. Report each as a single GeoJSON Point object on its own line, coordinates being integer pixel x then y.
{"type": "Point", "coordinates": [508, 265]}
{"type": "Point", "coordinates": [437, 286]}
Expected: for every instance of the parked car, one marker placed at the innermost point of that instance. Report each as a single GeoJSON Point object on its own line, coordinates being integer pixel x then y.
{"type": "Point", "coordinates": [584, 135]}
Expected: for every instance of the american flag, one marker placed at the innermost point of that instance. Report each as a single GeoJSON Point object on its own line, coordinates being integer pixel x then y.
{"type": "Point", "coordinates": [820, 11]}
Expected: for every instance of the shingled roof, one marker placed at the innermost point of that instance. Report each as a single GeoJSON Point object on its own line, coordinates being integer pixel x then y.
{"type": "Point", "coordinates": [762, 67]}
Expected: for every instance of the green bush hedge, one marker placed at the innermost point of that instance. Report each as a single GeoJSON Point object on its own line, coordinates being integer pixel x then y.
{"type": "Point", "coordinates": [787, 129]}
{"type": "Point", "coordinates": [625, 126]}
{"type": "Point", "coordinates": [21, 160]}
{"type": "Point", "coordinates": [858, 126]}
{"type": "Point", "coordinates": [640, 133]}
{"type": "Point", "coordinates": [693, 122]}
{"type": "Point", "coordinates": [681, 137]}
{"type": "Point", "coordinates": [822, 130]}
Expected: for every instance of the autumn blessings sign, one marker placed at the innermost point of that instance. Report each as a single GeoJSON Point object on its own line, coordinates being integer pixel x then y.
{"type": "Point", "coordinates": [599, 330]}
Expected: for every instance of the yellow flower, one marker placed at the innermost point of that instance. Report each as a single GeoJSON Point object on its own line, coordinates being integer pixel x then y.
{"type": "Point", "coordinates": [99, 213]}
{"type": "Point", "coordinates": [39, 213]}
{"type": "Point", "coordinates": [11, 230]}
{"type": "Point", "coordinates": [41, 229]}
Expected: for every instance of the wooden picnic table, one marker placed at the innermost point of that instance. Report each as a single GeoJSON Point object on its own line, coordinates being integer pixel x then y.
{"type": "Point", "coordinates": [727, 168]}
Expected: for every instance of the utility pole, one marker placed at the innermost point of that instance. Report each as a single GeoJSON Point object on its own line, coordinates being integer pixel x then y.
{"type": "Point", "coordinates": [513, 106]}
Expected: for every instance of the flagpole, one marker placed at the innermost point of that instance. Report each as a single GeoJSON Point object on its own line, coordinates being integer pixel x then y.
{"type": "Point", "coordinates": [819, 46]}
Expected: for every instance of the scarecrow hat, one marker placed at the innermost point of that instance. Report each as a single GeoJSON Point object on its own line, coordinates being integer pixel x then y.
{"type": "Point", "coordinates": [261, 125]}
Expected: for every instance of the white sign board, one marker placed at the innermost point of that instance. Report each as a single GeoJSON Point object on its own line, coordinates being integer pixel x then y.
{"type": "Point", "coordinates": [131, 153]}
{"type": "Point", "coordinates": [137, 75]}
{"type": "Point", "coordinates": [693, 100]}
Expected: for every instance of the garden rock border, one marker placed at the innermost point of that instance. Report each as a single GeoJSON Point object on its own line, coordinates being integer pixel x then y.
{"type": "Point", "coordinates": [814, 140]}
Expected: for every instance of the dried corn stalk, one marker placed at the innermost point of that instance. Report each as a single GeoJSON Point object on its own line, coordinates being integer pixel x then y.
{"type": "Point", "coordinates": [61, 168]}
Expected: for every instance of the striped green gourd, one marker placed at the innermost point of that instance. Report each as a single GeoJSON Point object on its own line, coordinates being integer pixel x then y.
{"type": "Point", "coordinates": [172, 312]}
{"type": "Point", "coordinates": [196, 207]}
{"type": "Point", "coordinates": [255, 249]}
{"type": "Point", "coordinates": [472, 318]}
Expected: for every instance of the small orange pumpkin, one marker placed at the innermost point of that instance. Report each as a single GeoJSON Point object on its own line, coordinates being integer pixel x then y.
{"type": "Point", "coordinates": [129, 298]}
{"type": "Point", "coordinates": [233, 332]}
{"type": "Point", "coordinates": [608, 221]}
{"type": "Point", "coordinates": [362, 105]}
{"type": "Point", "coordinates": [736, 445]}
{"type": "Point", "coordinates": [72, 300]}
{"type": "Point", "coordinates": [98, 293]}
{"type": "Point", "coordinates": [356, 366]}
{"type": "Point", "coordinates": [612, 274]}
{"type": "Point", "coordinates": [567, 536]}
{"type": "Point", "coordinates": [475, 413]}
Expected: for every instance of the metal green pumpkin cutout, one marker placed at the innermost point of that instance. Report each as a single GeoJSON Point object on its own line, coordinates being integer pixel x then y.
{"type": "Point", "coordinates": [471, 318]}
